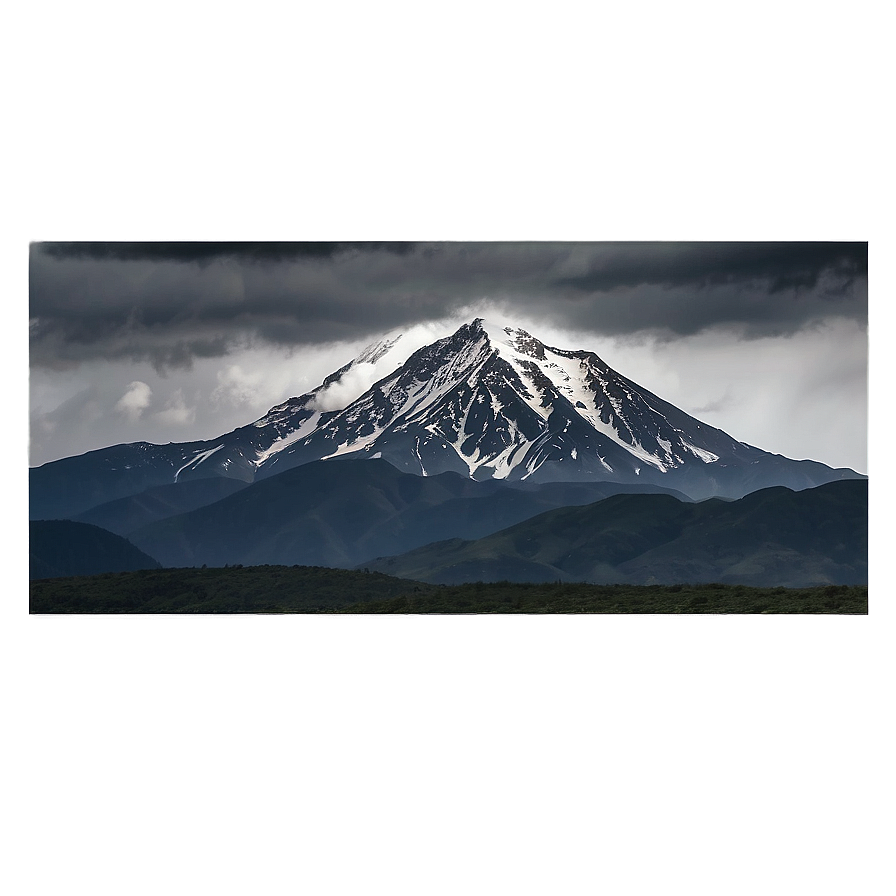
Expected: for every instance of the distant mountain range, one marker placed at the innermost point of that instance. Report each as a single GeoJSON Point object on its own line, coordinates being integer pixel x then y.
{"type": "Point", "coordinates": [340, 513]}
{"type": "Point", "coordinates": [448, 529]}
{"type": "Point", "coordinates": [488, 402]}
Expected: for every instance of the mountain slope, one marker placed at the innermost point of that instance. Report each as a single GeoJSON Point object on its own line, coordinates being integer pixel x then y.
{"type": "Point", "coordinates": [772, 537]}
{"type": "Point", "coordinates": [65, 548]}
{"type": "Point", "coordinates": [159, 502]}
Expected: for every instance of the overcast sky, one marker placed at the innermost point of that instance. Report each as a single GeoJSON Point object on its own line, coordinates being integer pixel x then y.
{"type": "Point", "coordinates": [179, 341]}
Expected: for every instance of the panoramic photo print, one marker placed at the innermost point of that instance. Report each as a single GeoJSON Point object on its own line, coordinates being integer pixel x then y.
{"type": "Point", "coordinates": [448, 427]}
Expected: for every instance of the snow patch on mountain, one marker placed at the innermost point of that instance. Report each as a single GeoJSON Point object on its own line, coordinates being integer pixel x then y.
{"type": "Point", "coordinates": [378, 350]}
{"type": "Point", "coordinates": [305, 429]}
{"type": "Point", "coordinates": [197, 459]}
{"type": "Point", "coordinates": [706, 456]}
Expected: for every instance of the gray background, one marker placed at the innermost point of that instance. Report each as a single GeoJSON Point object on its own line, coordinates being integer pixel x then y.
{"type": "Point", "coordinates": [248, 752]}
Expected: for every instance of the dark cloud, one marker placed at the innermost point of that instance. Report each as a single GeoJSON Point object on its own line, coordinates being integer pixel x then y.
{"type": "Point", "coordinates": [199, 252]}
{"type": "Point", "coordinates": [171, 302]}
{"type": "Point", "coordinates": [775, 266]}
{"type": "Point", "coordinates": [604, 267]}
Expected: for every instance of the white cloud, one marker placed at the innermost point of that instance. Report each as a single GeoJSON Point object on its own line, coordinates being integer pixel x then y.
{"type": "Point", "coordinates": [356, 381]}
{"type": "Point", "coordinates": [176, 411]}
{"type": "Point", "coordinates": [135, 401]}
{"type": "Point", "coordinates": [351, 385]}
{"type": "Point", "coordinates": [236, 386]}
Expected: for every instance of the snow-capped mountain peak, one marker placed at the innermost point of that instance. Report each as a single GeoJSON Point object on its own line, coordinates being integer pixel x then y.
{"type": "Point", "coordinates": [514, 339]}
{"type": "Point", "coordinates": [377, 350]}
{"type": "Point", "coordinates": [493, 401]}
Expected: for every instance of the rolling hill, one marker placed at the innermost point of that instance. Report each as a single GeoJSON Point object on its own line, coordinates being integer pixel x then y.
{"type": "Point", "coordinates": [772, 537]}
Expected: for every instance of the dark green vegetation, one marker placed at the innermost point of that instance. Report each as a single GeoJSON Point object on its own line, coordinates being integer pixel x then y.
{"type": "Point", "coordinates": [280, 589]}
{"type": "Point", "coordinates": [508, 597]}
{"type": "Point", "coordinates": [253, 589]}
{"type": "Point", "coordinates": [65, 548]}
{"type": "Point", "coordinates": [773, 537]}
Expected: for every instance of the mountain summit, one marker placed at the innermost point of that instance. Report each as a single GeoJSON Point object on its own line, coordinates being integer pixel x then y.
{"type": "Point", "coordinates": [496, 402]}
{"type": "Point", "coordinates": [488, 401]}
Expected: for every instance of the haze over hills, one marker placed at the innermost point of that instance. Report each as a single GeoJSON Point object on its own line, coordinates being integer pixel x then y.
{"type": "Point", "coordinates": [489, 403]}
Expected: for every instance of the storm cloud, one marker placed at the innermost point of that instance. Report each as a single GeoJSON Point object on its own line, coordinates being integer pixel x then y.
{"type": "Point", "coordinates": [204, 252]}
{"type": "Point", "coordinates": [173, 303]}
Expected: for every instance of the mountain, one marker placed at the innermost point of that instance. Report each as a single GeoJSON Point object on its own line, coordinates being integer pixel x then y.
{"type": "Point", "coordinates": [159, 502]}
{"type": "Point", "coordinates": [771, 537]}
{"type": "Point", "coordinates": [337, 513]}
{"type": "Point", "coordinates": [65, 548]}
{"type": "Point", "coordinates": [487, 402]}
